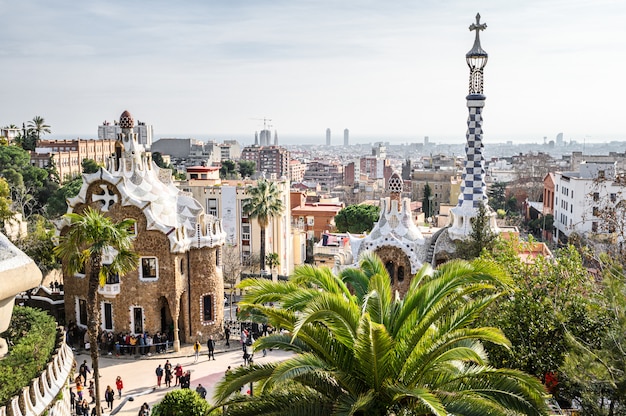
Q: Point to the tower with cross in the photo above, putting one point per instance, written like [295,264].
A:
[473,188]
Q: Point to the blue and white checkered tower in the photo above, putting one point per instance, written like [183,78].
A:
[473,187]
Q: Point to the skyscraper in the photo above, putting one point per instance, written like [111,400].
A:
[328,137]
[346,137]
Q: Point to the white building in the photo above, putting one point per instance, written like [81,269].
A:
[142,130]
[224,199]
[582,198]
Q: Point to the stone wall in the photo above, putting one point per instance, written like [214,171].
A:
[398,266]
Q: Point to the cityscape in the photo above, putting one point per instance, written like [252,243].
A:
[323,270]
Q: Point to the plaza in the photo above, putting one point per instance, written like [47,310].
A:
[140,383]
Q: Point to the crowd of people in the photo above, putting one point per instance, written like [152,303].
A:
[78,399]
[120,343]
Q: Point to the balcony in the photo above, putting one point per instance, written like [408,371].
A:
[109,290]
[326,250]
[112,287]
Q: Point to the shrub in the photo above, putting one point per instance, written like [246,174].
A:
[183,402]
[31,337]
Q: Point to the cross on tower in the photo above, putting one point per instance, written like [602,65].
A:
[478,26]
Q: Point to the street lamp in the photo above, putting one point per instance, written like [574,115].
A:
[476,59]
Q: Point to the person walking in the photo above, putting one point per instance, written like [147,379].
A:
[159,375]
[168,374]
[201,391]
[83,370]
[119,384]
[211,346]
[196,351]
[109,396]
[145,410]
[227,336]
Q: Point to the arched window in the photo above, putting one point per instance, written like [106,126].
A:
[400,273]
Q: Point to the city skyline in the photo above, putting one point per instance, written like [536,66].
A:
[395,72]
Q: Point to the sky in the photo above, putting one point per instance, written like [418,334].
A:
[390,70]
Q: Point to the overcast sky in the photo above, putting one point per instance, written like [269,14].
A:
[393,69]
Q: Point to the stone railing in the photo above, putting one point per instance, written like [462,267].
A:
[49,392]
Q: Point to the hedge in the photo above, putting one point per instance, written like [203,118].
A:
[31,337]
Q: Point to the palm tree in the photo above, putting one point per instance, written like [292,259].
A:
[264,203]
[360,350]
[38,126]
[89,235]
[272,260]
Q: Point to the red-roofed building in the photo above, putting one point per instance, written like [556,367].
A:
[314,218]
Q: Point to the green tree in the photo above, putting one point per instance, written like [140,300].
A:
[5,201]
[247,168]
[272,260]
[553,298]
[227,170]
[263,203]
[81,247]
[39,244]
[89,166]
[38,126]
[497,195]
[57,203]
[183,402]
[357,219]
[481,238]
[359,350]
[594,373]
[427,203]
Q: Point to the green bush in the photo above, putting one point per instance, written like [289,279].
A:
[183,402]
[31,337]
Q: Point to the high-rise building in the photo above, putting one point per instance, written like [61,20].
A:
[108,131]
[559,139]
[272,161]
[265,138]
[328,137]
[346,137]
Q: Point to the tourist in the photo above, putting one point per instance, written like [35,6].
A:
[201,391]
[178,372]
[196,351]
[83,370]
[168,373]
[109,396]
[159,374]
[119,384]
[145,410]
[227,336]
[211,346]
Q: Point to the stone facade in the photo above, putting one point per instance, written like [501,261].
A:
[178,287]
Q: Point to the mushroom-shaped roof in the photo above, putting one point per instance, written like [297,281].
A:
[126,120]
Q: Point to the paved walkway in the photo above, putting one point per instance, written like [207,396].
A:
[138,374]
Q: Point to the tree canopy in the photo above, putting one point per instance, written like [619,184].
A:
[359,350]
[357,218]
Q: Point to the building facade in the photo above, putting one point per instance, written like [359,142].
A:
[272,161]
[178,288]
[68,155]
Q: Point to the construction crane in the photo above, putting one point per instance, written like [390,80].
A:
[265,120]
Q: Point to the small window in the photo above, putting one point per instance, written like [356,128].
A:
[207,308]
[594,227]
[149,268]
[596,196]
[82,312]
[182,266]
[596,212]
[108,316]
[211,207]
[613,197]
